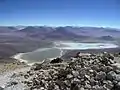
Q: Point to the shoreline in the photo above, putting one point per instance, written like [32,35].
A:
[19,55]
[62,52]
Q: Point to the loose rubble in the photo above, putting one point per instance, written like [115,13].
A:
[83,72]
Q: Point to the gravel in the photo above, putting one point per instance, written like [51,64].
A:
[84,72]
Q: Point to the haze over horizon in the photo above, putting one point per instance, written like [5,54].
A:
[100,13]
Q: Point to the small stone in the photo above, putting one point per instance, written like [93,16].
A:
[88,77]
[117,77]
[76,80]
[12,83]
[108,69]
[101,76]
[69,76]
[57,87]
[74,86]
[37,66]
[29,83]
[117,87]
[117,71]
[42,88]
[111,75]
[30,73]
[95,67]
[111,61]
[115,82]
[92,82]
[97,87]
[26,76]
[82,88]
[14,75]
[67,83]
[1,88]
[75,73]
[109,85]
[87,86]
[91,71]
[111,57]
[87,82]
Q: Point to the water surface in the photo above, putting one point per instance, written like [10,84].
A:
[41,54]
[46,53]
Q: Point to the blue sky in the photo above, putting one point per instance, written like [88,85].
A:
[60,12]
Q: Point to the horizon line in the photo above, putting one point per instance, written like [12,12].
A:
[59,26]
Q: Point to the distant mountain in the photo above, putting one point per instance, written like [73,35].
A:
[32,29]
[6,29]
[35,31]
[20,27]
[64,33]
[29,29]
[108,38]
[67,32]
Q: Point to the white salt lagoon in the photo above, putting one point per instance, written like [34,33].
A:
[47,53]
[83,46]
[38,55]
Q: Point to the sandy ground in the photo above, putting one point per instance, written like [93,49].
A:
[5,77]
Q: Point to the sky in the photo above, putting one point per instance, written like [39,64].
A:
[101,13]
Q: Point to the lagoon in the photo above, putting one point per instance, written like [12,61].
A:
[83,46]
[57,50]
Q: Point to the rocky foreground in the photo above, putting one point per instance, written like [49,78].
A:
[83,72]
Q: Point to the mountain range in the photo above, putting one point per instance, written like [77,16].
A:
[28,38]
[60,32]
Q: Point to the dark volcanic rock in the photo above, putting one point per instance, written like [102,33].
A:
[85,72]
[1,88]
[57,60]
[9,84]
[111,75]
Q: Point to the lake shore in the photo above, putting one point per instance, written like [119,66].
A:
[19,57]
[62,46]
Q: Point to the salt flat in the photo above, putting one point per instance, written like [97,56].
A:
[82,46]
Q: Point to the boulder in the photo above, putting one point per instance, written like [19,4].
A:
[111,75]
[1,88]
[117,86]
[108,69]
[82,88]
[109,85]
[92,82]
[117,77]
[57,60]
[75,73]
[101,76]
[74,86]
[115,82]
[87,86]
[69,76]
[9,84]
[37,66]
[97,87]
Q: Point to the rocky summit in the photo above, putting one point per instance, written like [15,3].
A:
[83,72]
